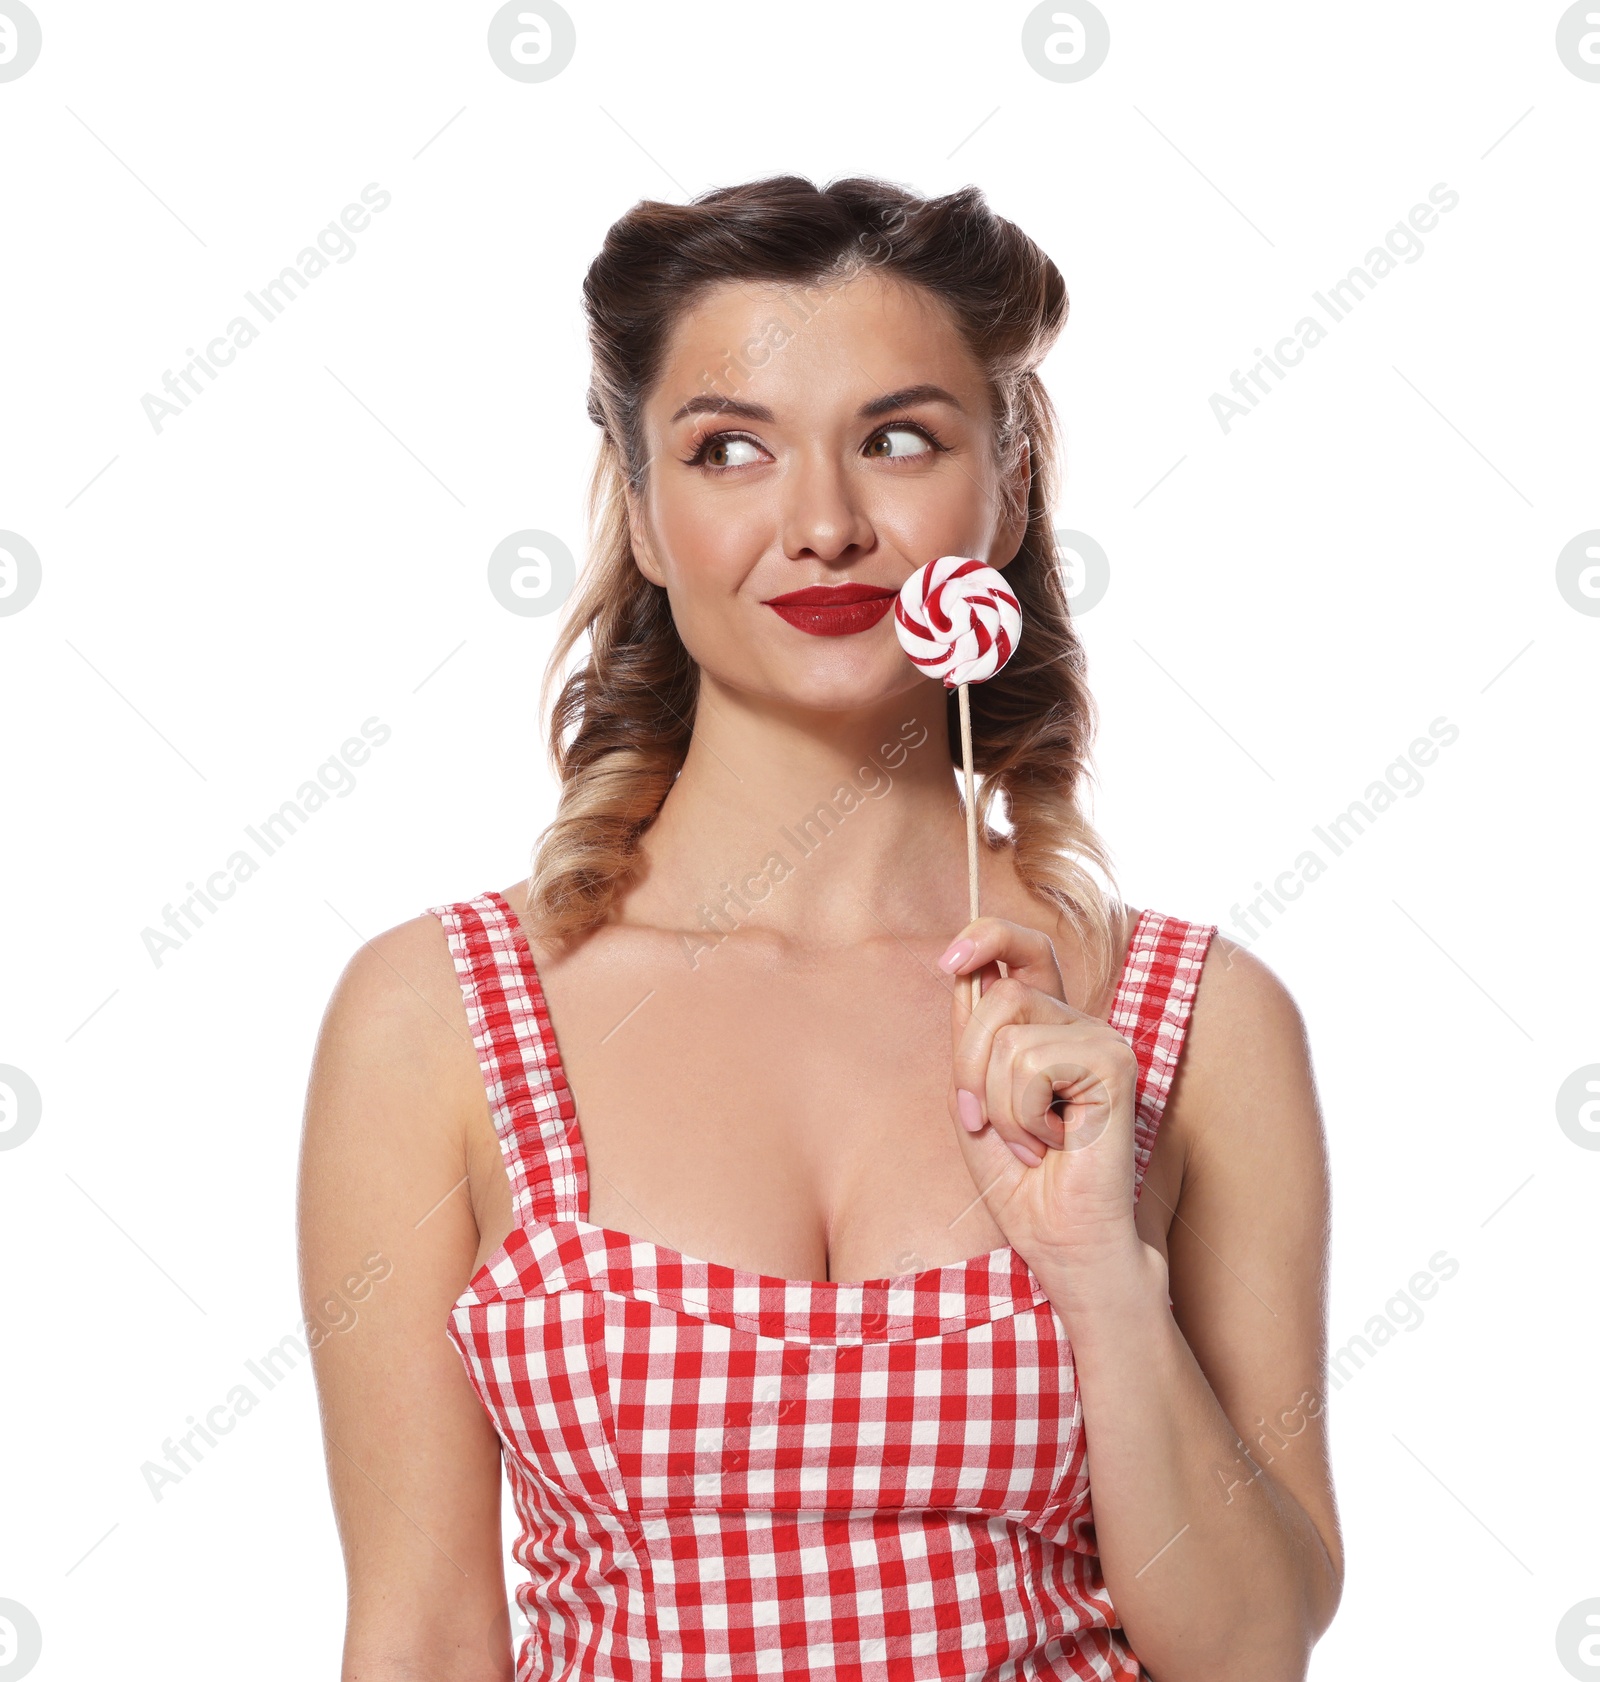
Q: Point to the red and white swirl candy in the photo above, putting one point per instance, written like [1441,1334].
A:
[957,620]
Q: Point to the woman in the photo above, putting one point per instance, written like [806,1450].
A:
[793,1374]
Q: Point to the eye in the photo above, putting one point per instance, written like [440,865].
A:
[920,434]
[714,451]
[717,452]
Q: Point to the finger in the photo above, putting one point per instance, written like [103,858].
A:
[963,996]
[1020,1088]
[969,1110]
[976,982]
[1033,1101]
[999,1109]
[1027,953]
[1055,1096]
[1081,1079]
[1004,999]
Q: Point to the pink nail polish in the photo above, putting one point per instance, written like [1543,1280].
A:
[971,1111]
[1027,1158]
[958,955]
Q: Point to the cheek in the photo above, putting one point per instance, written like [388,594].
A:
[707,532]
[708,545]
[946,517]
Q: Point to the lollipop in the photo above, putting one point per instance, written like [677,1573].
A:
[958,621]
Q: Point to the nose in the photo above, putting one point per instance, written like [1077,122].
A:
[822,514]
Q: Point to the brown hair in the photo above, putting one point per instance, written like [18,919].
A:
[620,728]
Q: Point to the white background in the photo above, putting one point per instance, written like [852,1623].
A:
[1291,603]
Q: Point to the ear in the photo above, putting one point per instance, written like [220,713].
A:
[642,542]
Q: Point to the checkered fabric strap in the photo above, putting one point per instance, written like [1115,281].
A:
[516,1046]
[1154,1000]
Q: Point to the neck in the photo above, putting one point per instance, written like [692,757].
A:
[823,829]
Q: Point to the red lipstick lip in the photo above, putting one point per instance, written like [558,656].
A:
[831,595]
[836,619]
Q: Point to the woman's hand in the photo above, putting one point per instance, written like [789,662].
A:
[1043,1097]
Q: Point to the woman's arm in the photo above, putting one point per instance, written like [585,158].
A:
[1214,1505]
[1223,1562]
[413,1462]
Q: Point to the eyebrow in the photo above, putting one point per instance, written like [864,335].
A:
[709,403]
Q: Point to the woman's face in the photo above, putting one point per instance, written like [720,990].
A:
[798,438]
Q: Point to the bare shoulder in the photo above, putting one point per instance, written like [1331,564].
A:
[1246,1062]
[397,1005]
[394,1075]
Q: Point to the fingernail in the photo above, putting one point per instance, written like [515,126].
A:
[1029,1159]
[971,1110]
[958,955]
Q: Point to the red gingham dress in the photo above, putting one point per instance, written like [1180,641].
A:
[721,1473]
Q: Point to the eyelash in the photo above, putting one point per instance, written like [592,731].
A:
[698,459]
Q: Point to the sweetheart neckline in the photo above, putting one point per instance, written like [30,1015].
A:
[745,1278]
[556,1066]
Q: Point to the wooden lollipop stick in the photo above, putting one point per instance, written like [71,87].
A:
[972,827]
[957,618]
